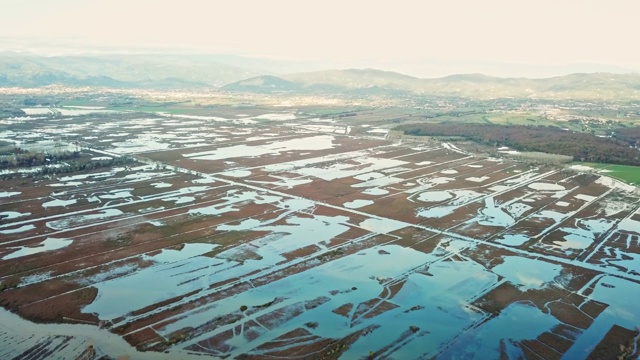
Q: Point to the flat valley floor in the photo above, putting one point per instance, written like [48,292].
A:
[236,237]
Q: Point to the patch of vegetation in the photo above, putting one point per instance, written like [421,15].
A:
[175,339]
[119,241]
[4,287]
[331,254]
[580,146]
[265,305]
[311,324]
[22,158]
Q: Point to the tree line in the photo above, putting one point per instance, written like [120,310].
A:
[23,158]
[630,135]
[71,167]
[554,140]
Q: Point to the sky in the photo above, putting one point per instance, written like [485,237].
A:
[540,32]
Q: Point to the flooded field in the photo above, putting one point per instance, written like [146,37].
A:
[280,235]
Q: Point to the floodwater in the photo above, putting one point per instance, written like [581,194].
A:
[622,296]
[9,215]
[48,244]
[289,256]
[124,294]
[375,191]
[546,186]
[485,342]
[79,220]
[527,273]
[358,203]
[23,335]
[363,165]
[65,111]
[239,173]
[18,229]
[4,194]
[512,239]
[492,215]
[435,196]
[321,142]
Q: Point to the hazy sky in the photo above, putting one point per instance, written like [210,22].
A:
[537,32]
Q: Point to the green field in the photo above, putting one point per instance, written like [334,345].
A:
[627,173]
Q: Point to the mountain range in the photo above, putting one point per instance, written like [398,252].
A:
[605,86]
[240,74]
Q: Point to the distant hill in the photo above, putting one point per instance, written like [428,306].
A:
[240,74]
[265,83]
[355,79]
[117,71]
[575,86]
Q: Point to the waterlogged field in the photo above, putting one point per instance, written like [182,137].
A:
[279,235]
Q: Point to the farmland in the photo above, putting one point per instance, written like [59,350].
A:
[626,173]
[266,232]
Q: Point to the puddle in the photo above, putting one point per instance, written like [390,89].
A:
[379,182]
[80,220]
[527,273]
[517,209]
[434,196]
[359,166]
[4,194]
[355,204]
[492,215]
[275,148]
[276,116]
[10,215]
[477,179]
[583,235]
[48,244]
[116,194]
[236,173]
[437,212]
[213,210]
[19,229]
[59,203]
[181,199]
[460,198]
[375,191]
[545,186]
[69,183]
[513,239]
[587,198]
[381,226]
